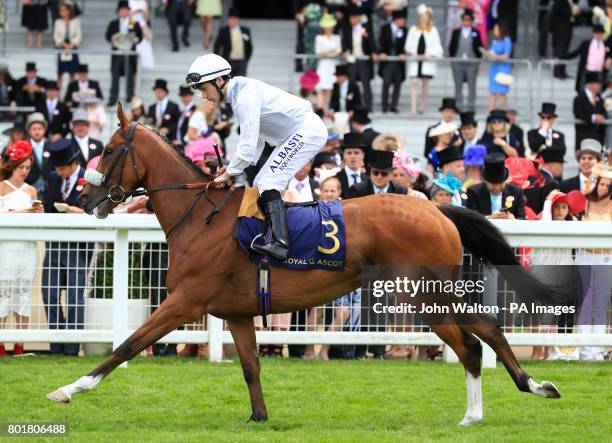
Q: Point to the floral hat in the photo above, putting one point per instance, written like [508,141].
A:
[19,151]
[448,183]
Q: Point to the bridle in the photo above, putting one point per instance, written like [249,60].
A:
[118,195]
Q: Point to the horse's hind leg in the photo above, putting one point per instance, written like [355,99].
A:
[468,349]
[169,315]
[491,334]
[243,331]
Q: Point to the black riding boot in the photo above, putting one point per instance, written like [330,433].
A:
[279,247]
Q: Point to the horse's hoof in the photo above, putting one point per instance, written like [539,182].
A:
[59,396]
[470,421]
[258,417]
[550,390]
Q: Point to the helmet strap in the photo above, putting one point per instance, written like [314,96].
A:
[220,88]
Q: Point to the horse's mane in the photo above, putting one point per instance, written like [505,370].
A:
[181,155]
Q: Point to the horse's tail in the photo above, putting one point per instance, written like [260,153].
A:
[480,237]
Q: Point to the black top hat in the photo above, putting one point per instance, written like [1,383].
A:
[185,90]
[83,68]
[497,114]
[123,4]
[62,152]
[160,84]
[592,77]
[341,70]
[51,84]
[467,118]
[354,140]
[598,28]
[233,12]
[448,103]
[552,155]
[399,13]
[548,109]
[450,154]
[354,10]
[495,170]
[360,115]
[467,12]
[323,157]
[381,159]
[30,66]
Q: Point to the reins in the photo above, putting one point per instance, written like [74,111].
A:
[117,194]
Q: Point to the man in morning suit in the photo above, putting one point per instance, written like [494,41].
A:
[353,154]
[587,156]
[345,96]
[31,87]
[56,113]
[545,136]
[234,44]
[36,126]
[360,122]
[589,109]
[66,263]
[392,40]
[87,147]
[164,113]
[82,83]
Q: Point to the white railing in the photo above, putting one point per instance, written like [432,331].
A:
[121,230]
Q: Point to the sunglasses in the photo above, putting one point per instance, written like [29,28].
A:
[381,173]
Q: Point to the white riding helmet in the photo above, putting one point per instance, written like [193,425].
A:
[206,68]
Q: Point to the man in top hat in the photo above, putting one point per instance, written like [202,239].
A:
[345,95]
[448,113]
[31,87]
[359,49]
[587,156]
[361,123]
[552,163]
[465,43]
[36,127]
[234,44]
[379,181]
[545,137]
[123,33]
[594,56]
[589,110]
[353,156]
[392,41]
[82,83]
[56,113]
[178,13]
[494,197]
[87,147]
[451,162]
[469,128]
[164,112]
[65,265]
[186,108]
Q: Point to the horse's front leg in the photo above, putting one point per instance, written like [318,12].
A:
[243,331]
[170,314]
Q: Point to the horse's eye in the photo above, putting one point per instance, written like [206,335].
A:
[108,151]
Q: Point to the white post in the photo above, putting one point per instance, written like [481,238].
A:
[121,267]
[215,339]
[489,358]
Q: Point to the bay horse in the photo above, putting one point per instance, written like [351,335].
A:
[210,274]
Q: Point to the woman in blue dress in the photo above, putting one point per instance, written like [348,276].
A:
[499,73]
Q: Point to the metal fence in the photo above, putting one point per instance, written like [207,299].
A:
[113,274]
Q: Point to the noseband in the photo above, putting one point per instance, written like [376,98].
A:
[117,194]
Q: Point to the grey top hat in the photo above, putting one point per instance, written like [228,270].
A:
[589,146]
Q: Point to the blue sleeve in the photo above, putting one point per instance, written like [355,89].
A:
[507,46]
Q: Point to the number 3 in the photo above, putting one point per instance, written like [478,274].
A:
[331,234]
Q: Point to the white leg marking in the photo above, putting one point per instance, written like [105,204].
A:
[83,384]
[473,415]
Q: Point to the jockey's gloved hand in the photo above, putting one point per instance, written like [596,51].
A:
[224,177]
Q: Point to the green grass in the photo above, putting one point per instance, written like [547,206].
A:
[164,400]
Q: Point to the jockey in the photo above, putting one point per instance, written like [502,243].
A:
[265,114]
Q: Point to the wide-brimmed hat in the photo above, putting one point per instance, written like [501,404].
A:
[381,159]
[361,115]
[497,114]
[80,116]
[551,155]
[309,79]
[449,155]
[575,200]
[601,170]
[442,128]
[448,103]
[474,155]
[354,140]
[62,153]
[468,118]
[495,170]
[448,183]
[136,103]
[36,117]
[548,109]
[160,84]
[589,146]
[328,21]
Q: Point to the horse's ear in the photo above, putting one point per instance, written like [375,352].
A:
[124,122]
